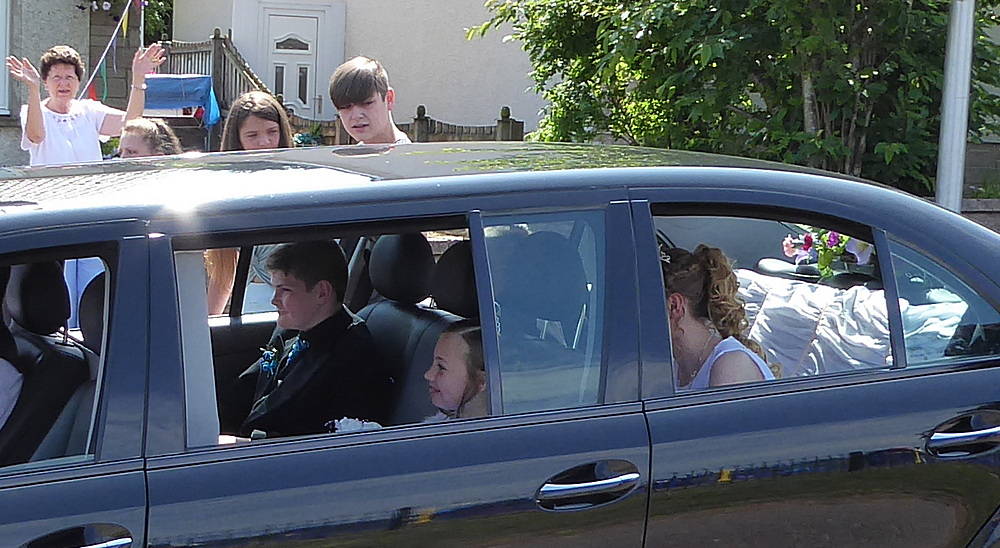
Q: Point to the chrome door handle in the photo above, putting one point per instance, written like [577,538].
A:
[558,491]
[117,543]
[944,440]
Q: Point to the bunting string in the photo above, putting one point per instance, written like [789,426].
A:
[104,55]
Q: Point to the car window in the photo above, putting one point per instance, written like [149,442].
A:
[943,319]
[51,355]
[805,299]
[416,293]
[258,292]
[547,272]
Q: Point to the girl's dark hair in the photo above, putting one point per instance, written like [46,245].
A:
[706,278]
[259,104]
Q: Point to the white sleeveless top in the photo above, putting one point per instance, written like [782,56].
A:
[729,344]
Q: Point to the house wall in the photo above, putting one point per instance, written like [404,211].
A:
[423,47]
[194,20]
[422,44]
[35,26]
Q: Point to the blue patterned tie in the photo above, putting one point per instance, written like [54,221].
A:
[298,347]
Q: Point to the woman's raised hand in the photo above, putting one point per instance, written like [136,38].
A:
[23,71]
[145,60]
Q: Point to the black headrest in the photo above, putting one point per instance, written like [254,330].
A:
[545,279]
[400,267]
[37,297]
[92,313]
[453,283]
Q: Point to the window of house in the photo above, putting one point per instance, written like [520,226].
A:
[802,299]
[50,370]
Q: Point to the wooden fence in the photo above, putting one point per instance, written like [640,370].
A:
[422,129]
[218,57]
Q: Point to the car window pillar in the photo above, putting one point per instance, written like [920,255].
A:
[487,310]
[897,341]
[654,342]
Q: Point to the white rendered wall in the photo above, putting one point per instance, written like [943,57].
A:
[194,20]
[423,47]
[422,44]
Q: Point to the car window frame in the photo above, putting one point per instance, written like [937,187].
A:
[645,210]
[118,418]
[233,230]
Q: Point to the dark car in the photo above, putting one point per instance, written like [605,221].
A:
[881,429]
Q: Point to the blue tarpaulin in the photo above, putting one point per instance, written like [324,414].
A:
[183,90]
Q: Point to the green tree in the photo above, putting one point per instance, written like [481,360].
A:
[158,20]
[853,87]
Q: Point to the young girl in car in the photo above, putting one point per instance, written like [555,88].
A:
[456,379]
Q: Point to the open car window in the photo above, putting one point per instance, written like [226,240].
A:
[812,295]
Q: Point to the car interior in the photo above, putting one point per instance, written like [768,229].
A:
[410,282]
[53,336]
[811,324]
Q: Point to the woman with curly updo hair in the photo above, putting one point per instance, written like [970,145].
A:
[707,321]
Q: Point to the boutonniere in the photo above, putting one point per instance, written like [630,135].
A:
[298,347]
[268,359]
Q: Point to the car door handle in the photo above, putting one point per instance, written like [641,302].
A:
[945,440]
[560,491]
[116,543]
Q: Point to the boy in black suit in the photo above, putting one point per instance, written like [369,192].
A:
[330,369]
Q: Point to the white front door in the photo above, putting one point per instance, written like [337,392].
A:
[292,66]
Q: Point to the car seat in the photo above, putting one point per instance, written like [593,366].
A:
[71,430]
[38,303]
[405,332]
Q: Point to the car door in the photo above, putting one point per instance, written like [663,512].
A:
[870,444]
[84,483]
[562,458]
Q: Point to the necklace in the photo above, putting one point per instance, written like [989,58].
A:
[700,358]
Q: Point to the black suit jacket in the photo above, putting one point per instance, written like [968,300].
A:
[339,375]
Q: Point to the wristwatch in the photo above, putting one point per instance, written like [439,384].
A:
[141,86]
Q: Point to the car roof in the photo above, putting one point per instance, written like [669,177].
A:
[246,182]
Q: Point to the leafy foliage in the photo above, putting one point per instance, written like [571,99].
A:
[853,87]
[158,22]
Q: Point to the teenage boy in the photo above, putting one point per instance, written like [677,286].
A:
[360,90]
[330,370]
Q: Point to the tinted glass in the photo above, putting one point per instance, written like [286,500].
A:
[547,273]
[943,319]
[48,372]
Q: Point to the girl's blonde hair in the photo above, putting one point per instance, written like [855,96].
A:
[156,133]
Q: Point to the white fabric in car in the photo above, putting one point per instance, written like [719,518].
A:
[810,328]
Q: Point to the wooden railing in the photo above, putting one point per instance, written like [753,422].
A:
[423,129]
[217,56]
